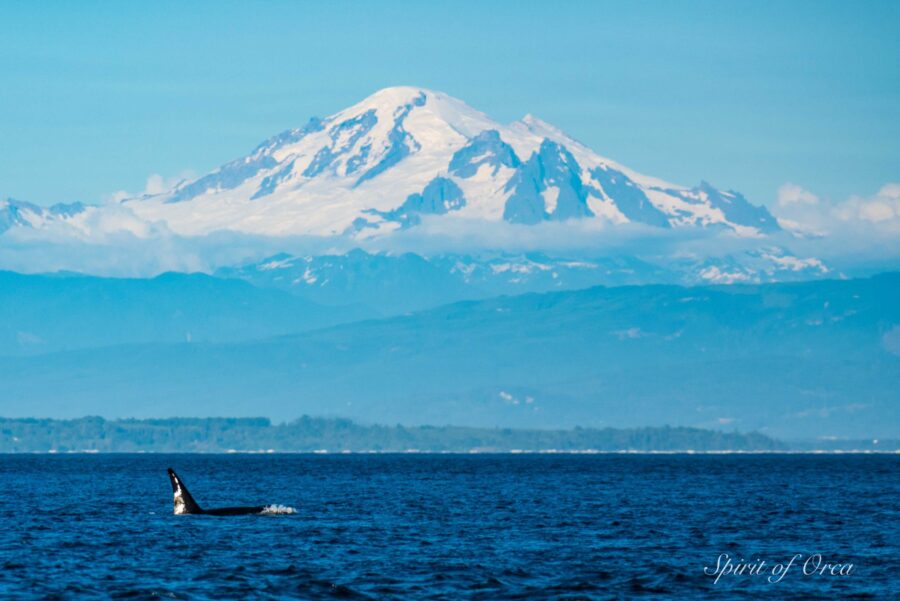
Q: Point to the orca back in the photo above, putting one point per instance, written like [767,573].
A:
[236,510]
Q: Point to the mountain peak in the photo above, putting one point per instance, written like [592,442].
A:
[442,115]
[534,123]
[396,95]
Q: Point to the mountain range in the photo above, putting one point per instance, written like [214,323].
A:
[394,283]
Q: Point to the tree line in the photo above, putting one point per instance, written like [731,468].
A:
[310,434]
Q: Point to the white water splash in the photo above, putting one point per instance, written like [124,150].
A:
[277,510]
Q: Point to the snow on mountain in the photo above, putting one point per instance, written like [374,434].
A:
[763,265]
[18,213]
[406,153]
[398,283]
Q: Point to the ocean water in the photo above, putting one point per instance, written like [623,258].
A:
[451,527]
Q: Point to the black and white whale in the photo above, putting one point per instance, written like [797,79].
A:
[185,503]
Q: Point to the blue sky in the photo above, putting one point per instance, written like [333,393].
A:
[97,96]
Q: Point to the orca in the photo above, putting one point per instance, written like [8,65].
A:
[185,503]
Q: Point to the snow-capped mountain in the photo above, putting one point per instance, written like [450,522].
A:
[404,154]
[17,213]
[398,283]
[762,265]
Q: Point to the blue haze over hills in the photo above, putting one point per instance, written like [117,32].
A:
[806,359]
[48,313]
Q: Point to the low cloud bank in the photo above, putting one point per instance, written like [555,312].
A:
[857,235]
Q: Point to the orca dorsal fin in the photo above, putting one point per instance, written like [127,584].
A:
[184,502]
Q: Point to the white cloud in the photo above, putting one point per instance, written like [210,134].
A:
[883,207]
[114,242]
[155,184]
[450,233]
[802,211]
[792,193]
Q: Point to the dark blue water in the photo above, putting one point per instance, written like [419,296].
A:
[448,526]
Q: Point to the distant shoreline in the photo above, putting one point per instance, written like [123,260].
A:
[461,453]
[335,436]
